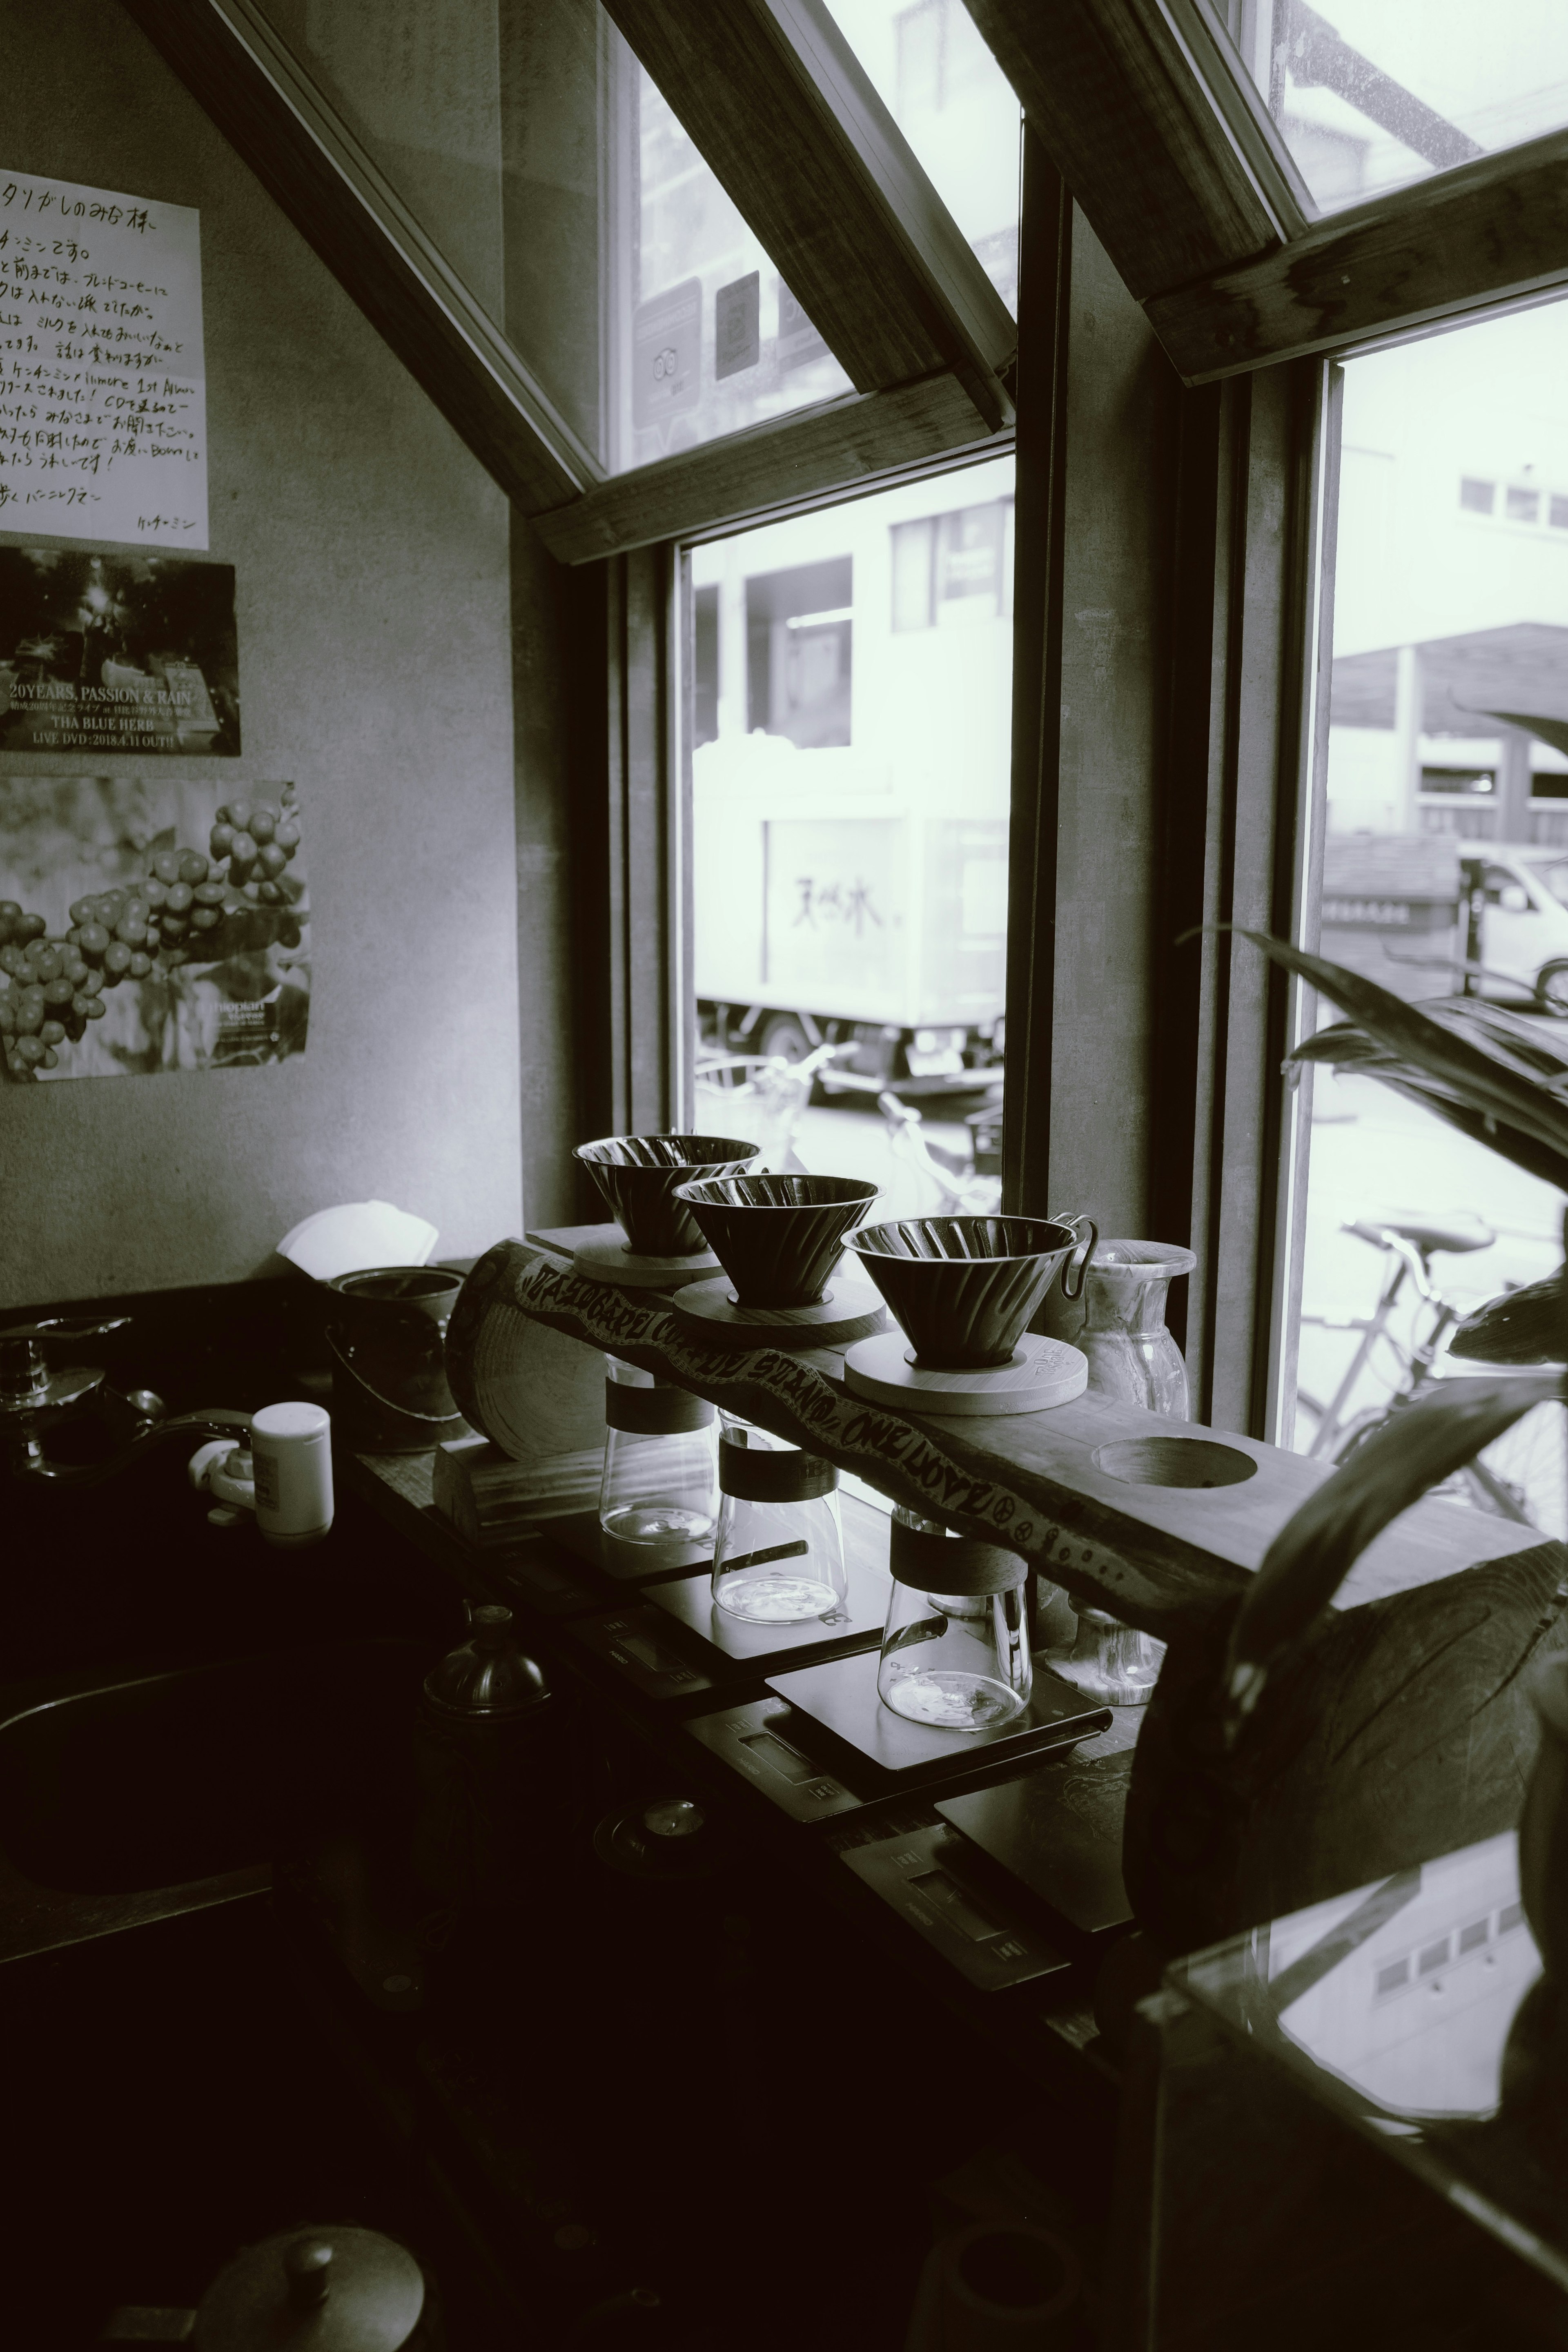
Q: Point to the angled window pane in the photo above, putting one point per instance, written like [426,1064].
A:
[1370,96]
[705,337]
[544,166]
[957,108]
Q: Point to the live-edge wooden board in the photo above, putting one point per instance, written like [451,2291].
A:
[1148,1554]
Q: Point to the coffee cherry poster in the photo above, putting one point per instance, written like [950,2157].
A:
[150,926]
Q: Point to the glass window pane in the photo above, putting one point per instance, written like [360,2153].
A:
[1445,857]
[957,108]
[546,166]
[850,797]
[706,337]
[1372,94]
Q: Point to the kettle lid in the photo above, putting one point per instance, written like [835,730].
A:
[491,1675]
[339,2290]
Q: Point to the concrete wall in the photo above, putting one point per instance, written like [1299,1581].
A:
[376,658]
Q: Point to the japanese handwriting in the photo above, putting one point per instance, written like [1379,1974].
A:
[100,360]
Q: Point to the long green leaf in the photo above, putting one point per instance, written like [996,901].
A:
[1479,1074]
[1309,1559]
[1527,1326]
[1353,1052]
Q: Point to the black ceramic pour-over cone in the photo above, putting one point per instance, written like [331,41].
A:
[964,1288]
[778,1238]
[639,1175]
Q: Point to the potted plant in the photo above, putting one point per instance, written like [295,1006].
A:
[1291,1752]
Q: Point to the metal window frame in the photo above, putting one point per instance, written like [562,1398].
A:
[1154,124]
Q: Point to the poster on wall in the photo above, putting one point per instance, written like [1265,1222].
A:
[117,653]
[150,926]
[102,380]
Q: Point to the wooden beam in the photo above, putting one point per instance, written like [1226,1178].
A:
[775,101]
[843,446]
[1489,231]
[1151,1555]
[1116,96]
[272,115]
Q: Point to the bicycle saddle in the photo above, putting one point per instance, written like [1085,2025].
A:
[1428,1234]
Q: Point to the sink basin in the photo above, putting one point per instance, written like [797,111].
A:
[130,1800]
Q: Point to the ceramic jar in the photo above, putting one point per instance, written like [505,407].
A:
[1118,1321]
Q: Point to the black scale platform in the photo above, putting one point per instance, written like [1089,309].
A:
[671,1642]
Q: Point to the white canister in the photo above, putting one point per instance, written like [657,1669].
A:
[291,1448]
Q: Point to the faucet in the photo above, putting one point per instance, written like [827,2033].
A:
[33,1400]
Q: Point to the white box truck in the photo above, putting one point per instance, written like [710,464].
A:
[850,786]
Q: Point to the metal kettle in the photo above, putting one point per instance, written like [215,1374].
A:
[342,2289]
[492,1769]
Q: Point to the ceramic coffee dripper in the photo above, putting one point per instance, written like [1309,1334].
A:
[778,1238]
[639,1176]
[964,1288]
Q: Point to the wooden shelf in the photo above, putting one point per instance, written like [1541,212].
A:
[1148,1554]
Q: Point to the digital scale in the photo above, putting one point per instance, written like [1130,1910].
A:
[761,1740]
[638,1642]
[847,1720]
[923,1875]
[755,1650]
[673,1642]
[551,1585]
[1057,1831]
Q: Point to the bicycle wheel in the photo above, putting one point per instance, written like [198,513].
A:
[1530,1460]
[1347,1436]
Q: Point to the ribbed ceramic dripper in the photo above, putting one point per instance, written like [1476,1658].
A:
[778,1238]
[964,1288]
[640,1174]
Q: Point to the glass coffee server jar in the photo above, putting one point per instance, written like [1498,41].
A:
[779,1556]
[955,1652]
[659,1486]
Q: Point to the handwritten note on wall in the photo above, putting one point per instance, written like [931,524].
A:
[103,384]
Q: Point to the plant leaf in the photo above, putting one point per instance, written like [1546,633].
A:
[1368,1060]
[1479,1072]
[1309,1559]
[1527,1326]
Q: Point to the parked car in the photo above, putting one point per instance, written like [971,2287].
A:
[1524,920]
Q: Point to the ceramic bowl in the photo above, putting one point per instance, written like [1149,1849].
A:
[778,1238]
[964,1288]
[639,1175]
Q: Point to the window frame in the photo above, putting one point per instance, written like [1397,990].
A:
[1138,131]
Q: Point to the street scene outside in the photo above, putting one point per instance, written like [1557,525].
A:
[1447,848]
[851,675]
